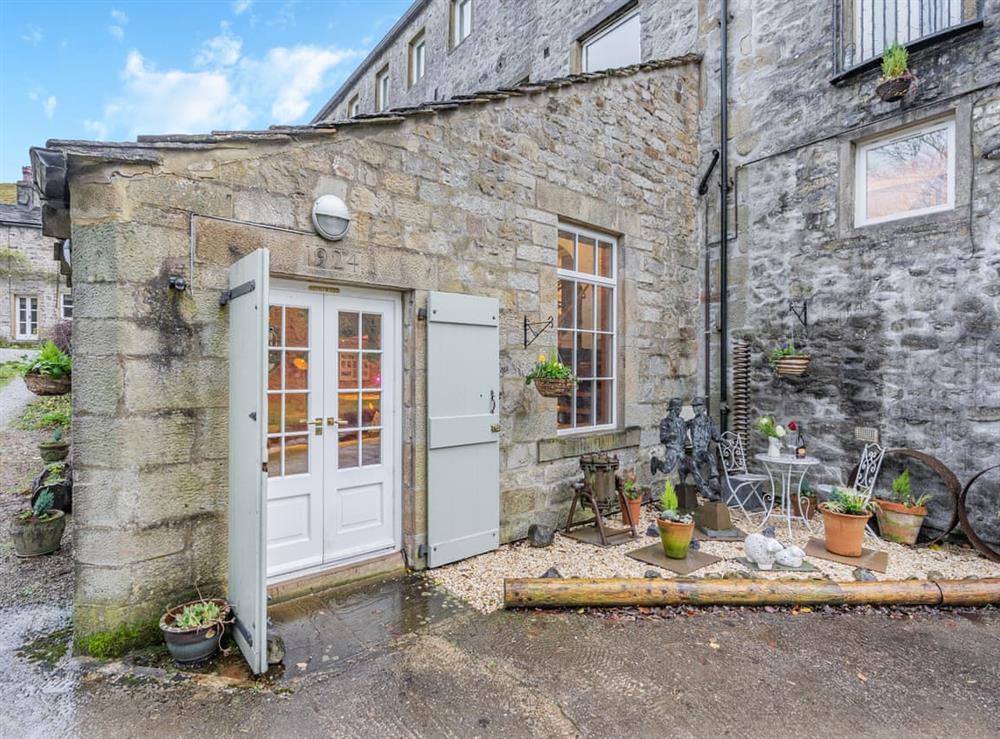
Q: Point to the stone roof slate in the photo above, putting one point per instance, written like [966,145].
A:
[18,215]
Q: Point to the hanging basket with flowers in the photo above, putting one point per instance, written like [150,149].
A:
[789,361]
[552,378]
[897,79]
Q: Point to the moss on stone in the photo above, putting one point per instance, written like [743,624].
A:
[49,648]
[118,641]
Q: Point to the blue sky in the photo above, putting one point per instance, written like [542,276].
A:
[112,70]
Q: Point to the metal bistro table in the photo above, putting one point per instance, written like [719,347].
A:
[784,469]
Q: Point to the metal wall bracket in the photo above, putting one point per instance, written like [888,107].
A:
[802,313]
[246,287]
[534,330]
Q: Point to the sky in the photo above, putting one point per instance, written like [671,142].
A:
[113,70]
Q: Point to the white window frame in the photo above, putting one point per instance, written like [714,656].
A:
[353,106]
[22,327]
[62,306]
[597,280]
[382,90]
[593,38]
[861,171]
[461,21]
[418,58]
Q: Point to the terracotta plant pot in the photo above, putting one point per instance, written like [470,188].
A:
[33,538]
[894,89]
[188,646]
[634,509]
[844,533]
[791,366]
[899,523]
[675,537]
[44,385]
[550,387]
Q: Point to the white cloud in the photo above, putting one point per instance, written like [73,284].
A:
[117,29]
[219,51]
[49,106]
[32,35]
[290,77]
[241,6]
[119,17]
[97,128]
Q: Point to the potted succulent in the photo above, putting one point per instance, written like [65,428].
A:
[845,516]
[774,433]
[552,378]
[900,519]
[633,498]
[676,529]
[788,361]
[39,529]
[896,76]
[55,448]
[193,630]
[50,373]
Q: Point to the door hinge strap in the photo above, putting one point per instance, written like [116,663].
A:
[246,287]
[247,634]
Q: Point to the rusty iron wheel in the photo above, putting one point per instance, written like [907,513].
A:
[985,549]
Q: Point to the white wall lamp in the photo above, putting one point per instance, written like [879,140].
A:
[331,217]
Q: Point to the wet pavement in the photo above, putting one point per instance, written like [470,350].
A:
[404,659]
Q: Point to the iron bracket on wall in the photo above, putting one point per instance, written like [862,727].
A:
[802,313]
[246,287]
[532,328]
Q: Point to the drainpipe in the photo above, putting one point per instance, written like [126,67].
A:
[724,216]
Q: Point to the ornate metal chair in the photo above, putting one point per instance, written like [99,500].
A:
[736,476]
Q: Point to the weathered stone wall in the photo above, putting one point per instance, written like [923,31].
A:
[511,40]
[38,276]
[463,201]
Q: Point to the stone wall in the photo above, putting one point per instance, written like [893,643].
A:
[510,40]
[463,201]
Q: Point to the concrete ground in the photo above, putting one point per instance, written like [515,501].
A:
[406,667]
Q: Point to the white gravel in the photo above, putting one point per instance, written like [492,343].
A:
[479,580]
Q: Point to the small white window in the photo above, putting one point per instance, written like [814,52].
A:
[66,305]
[616,45]
[461,21]
[417,56]
[26,307]
[908,173]
[587,328]
[353,106]
[382,90]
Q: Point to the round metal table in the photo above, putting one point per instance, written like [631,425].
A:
[783,470]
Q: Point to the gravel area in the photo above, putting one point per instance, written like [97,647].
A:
[14,396]
[39,580]
[479,580]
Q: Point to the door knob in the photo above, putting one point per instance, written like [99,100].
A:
[331,421]
[318,424]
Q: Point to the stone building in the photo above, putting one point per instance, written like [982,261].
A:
[33,294]
[572,200]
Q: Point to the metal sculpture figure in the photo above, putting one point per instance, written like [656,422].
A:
[687,446]
[673,436]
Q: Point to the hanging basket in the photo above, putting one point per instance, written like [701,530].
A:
[45,385]
[895,89]
[791,366]
[551,387]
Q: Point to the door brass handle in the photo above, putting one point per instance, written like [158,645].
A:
[331,421]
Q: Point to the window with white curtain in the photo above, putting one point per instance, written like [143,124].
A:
[418,49]
[461,21]
[616,45]
[382,90]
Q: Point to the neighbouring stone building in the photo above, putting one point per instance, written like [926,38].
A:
[33,294]
[492,173]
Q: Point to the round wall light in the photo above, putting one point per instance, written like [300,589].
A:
[331,217]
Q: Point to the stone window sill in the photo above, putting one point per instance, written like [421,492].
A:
[561,447]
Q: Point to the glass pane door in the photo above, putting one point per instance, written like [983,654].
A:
[359,389]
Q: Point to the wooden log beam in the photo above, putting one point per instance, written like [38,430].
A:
[598,592]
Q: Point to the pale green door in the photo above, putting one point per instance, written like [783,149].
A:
[463,398]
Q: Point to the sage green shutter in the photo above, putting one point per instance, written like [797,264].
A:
[463,400]
[248,314]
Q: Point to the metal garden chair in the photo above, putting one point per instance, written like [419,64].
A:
[736,475]
[865,475]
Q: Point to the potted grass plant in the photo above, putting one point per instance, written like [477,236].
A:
[676,529]
[896,75]
[900,518]
[39,529]
[845,516]
[49,373]
[789,361]
[633,499]
[193,630]
[552,378]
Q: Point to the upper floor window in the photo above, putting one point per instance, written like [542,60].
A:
[615,45]
[587,330]
[66,305]
[353,106]
[418,49]
[908,173]
[867,27]
[461,21]
[382,90]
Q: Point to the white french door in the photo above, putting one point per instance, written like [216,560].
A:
[27,317]
[333,434]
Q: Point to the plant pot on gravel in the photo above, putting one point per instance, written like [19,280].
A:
[55,448]
[39,529]
[633,499]
[900,519]
[193,630]
[676,529]
[845,516]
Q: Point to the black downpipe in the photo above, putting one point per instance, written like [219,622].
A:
[707,290]
[724,218]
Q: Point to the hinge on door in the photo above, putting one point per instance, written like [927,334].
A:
[246,287]
[263,466]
